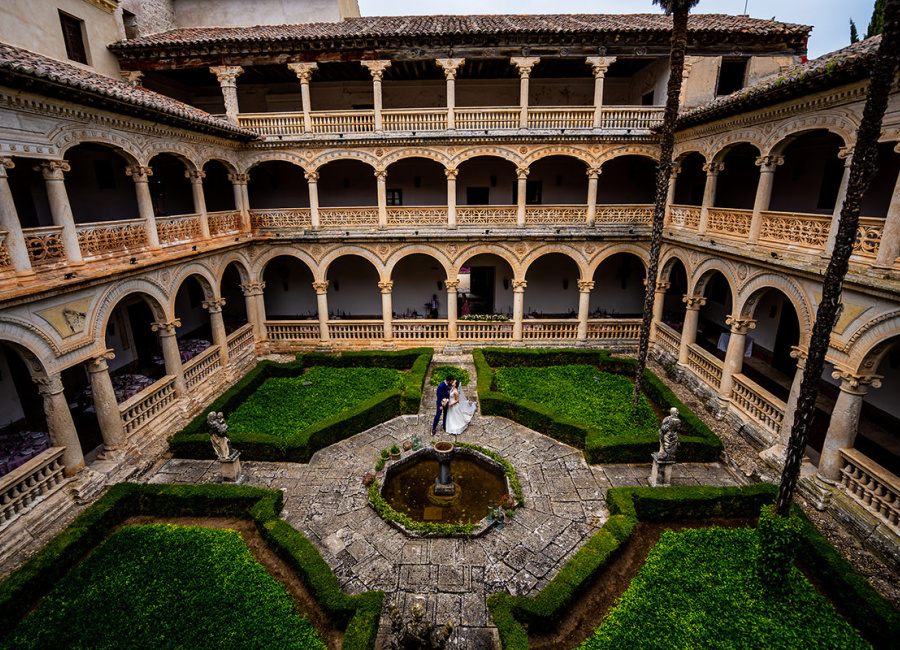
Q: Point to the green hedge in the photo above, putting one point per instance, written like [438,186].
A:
[860,603]
[698,443]
[193,440]
[358,615]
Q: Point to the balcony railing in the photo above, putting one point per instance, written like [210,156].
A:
[224,223]
[45,245]
[111,237]
[546,329]
[356,330]
[178,229]
[795,230]
[240,342]
[282,218]
[486,215]
[668,339]
[684,216]
[730,223]
[553,214]
[289,330]
[150,402]
[705,365]
[348,217]
[26,484]
[604,329]
[874,487]
[5,260]
[483,331]
[758,404]
[420,330]
[202,367]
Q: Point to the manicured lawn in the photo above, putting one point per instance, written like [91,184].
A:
[699,589]
[284,407]
[167,586]
[583,394]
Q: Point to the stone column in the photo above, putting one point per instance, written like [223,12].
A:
[256,307]
[312,180]
[712,170]
[450,67]
[381,179]
[227,76]
[889,248]
[689,330]
[9,221]
[241,198]
[105,405]
[452,287]
[196,177]
[784,434]
[60,209]
[217,325]
[322,302]
[451,196]
[584,307]
[734,355]
[518,307]
[844,421]
[376,69]
[524,65]
[845,154]
[658,300]
[670,196]
[304,72]
[592,173]
[599,64]
[141,177]
[59,422]
[387,311]
[767,166]
[522,190]
[171,353]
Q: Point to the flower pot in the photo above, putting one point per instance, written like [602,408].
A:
[395,456]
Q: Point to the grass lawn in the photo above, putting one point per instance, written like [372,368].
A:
[167,586]
[699,589]
[284,407]
[575,393]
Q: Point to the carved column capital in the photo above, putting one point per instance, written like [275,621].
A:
[253,288]
[132,76]
[139,173]
[593,172]
[239,179]
[600,64]
[53,170]
[856,384]
[195,175]
[452,285]
[524,64]
[713,168]
[376,68]
[451,173]
[450,66]
[519,286]
[320,287]
[800,354]
[846,154]
[303,70]
[6,163]
[386,286]
[312,177]
[897,148]
[227,74]
[49,384]
[522,173]
[166,328]
[662,286]
[740,324]
[585,286]
[769,163]
[381,175]
[214,306]
[98,363]
[676,169]
[694,302]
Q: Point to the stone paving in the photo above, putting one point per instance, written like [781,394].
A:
[564,505]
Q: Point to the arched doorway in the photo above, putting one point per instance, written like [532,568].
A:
[289,293]
[618,287]
[552,287]
[353,291]
[234,311]
[195,333]
[485,285]
[24,433]
[418,279]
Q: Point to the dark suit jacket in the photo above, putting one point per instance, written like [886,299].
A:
[443,392]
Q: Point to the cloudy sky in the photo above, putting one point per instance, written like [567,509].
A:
[830,18]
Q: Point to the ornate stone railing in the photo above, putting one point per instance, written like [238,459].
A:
[28,483]
[483,331]
[45,245]
[805,231]
[872,486]
[417,216]
[627,214]
[731,223]
[705,365]
[414,119]
[348,217]
[150,402]
[486,215]
[554,214]
[419,329]
[684,216]
[240,341]
[561,117]
[635,118]
[202,367]
[487,118]
[178,228]
[281,218]
[5,261]
[758,404]
[362,121]
[273,125]
[224,222]
[292,330]
[540,328]
[868,237]
[344,330]
[668,339]
[614,328]
[111,237]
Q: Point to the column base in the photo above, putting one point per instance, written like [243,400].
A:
[817,490]
[388,344]
[581,343]
[324,346]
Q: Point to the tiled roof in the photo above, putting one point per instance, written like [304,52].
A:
[832,69]
[411,26]
[20,67]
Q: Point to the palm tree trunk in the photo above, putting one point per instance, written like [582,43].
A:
[862,169]
[663,174]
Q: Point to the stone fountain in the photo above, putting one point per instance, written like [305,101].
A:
[443,484]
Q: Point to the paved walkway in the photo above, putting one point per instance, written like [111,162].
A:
[564,505]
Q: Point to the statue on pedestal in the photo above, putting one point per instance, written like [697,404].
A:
[668,436]
[417,634]
[218,435]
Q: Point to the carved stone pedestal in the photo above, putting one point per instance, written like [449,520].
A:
[231,468]
[661,474]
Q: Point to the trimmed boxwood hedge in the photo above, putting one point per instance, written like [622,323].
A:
[357,615]
[864,607]
[193,440]
[698,443]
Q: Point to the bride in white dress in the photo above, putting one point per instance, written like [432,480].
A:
[460,410]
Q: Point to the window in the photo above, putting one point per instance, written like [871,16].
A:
[731,76]
[394,197]
[73,36]
[478,195]
[129,20]
[647,99]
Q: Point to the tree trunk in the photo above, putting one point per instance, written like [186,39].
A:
[663,174]
[862,169]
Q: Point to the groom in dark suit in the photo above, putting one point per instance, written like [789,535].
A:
[443,392]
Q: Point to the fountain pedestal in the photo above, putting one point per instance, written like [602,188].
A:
[443,484]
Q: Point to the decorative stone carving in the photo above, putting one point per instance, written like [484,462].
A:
[694,302]
[585,286]
[451,173]
[452,285]
[668,436]
[769,163]
[239,179]
[320,287]
[856,383]
[312,177]
[166,328]
[740,324]
[522,173]
[524,64]
[303,70]
[593,172]
[662,286]
[519,286]
[376,68]
[713,167]
[139,173]
[600,64]
[49,384]
[53,170]
[195,175]
[253,288]
[386,287]
[417,633]
[450,66]
[214,306]
[218,435]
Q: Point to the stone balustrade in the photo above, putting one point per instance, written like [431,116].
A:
[684,216]
[240,342]
[795,230]
[45,245]
[730,223]
[5,260]
[289,330]
[147,404]
[540,329]
[348,217]
[420,329]
[667,339]
[355,330]
[705,365]
[607,329]
[202,367]
[111,237]
[281,218]
[484,331]
[34,480]
[225,222]
[758,404]
[874,487]
[178,229]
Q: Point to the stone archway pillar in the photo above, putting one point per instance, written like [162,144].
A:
[376,69]
[60,209]
[790,407]
[141,177]
[256,307]
[196,177]
[522,190]
[734,355]
[241,198]
[322,302]
[889,248]
[217,325]
[304,73]
[592,173]
[381,179]
[844,421]
[767,166]
[712,170]
[670,195]
[846,154]
[524,64]
[59,422]
[689,330]
[171,353]
[105,405]
[452,288]
[584,306]
[387,310]
[9,221]
[658,299]
[450,67]
[518,307]
[227,77]
[599,65]
[451,196]
[312,179]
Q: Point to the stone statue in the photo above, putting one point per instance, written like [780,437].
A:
[218,435]
[668,436]
[417,634]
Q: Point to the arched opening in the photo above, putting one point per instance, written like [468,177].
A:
[485,285]
[560,180]
[138,353]
[23,426]
[627,180]
[552,287]
[289,294]
[878,434]
[736,184]
[195,332]
[29,193]
[218,192]
[277,184]
[673,302]
[691,180]
[877,199]
[170,189]
[353,288]
[418,279]
[618,287]
[234,312]
[346,184]
[712,332]
[810,178]
[97,186]
[416,181]
[487,180]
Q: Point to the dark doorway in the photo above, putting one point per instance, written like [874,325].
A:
[481,299]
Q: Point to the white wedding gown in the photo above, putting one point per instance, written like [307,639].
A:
[460,414]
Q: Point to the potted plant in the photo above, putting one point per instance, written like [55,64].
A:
[407,445]
[379,466]
[508,515]
[507,502]
[385,454]
[395,452]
